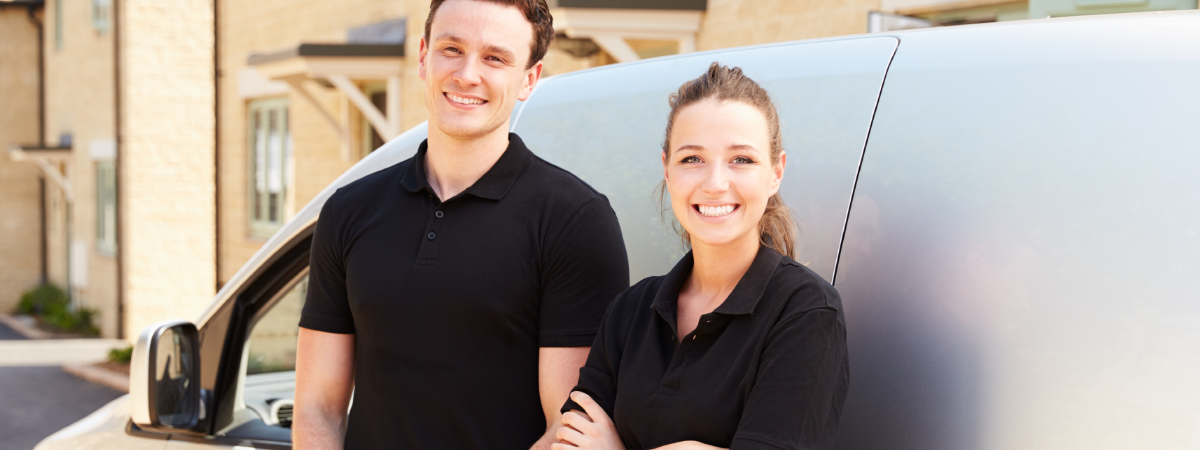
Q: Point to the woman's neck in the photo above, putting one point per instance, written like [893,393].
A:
[717,269]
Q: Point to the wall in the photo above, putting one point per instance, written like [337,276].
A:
[263,27]
[80,101]
[166,160]
[20,253]
[732,23]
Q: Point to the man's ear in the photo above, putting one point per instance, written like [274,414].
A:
[421,53]
[532,75]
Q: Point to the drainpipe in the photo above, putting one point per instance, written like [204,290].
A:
[117,121]
[217,142]
[33,19]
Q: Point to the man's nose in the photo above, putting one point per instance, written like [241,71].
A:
[467,73]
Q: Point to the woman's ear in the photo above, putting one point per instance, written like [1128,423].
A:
[664,162]
[778,170]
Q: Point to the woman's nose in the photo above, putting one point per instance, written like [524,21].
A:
[717,181]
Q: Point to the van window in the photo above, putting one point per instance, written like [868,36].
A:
[606,126]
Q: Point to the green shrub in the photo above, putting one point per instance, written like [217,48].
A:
[121,355]
[50,303]
[41,299]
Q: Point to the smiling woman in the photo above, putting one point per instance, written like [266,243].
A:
[739,346]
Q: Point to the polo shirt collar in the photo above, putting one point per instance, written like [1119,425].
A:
[742,300]
[492,185]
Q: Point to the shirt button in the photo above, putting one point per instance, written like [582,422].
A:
[438,214]
[432,235]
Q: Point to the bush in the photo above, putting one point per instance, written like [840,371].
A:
[41,299]
[121,355]
[50,303]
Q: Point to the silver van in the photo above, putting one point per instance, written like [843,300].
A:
[1010,211]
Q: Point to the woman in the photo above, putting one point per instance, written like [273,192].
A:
[738,346]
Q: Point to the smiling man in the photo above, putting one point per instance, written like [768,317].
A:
[456,293]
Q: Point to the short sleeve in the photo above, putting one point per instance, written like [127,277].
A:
[327,307]
[800,387]
[585,268]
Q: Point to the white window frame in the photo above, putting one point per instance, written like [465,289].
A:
[101,15]
[106,207]
[269,158]
[366,130]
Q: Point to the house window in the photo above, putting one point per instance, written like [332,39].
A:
[101,12]
[370,138]
[270,145]
[106,207]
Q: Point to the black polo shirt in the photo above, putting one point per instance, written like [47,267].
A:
[450,301]
[766,370]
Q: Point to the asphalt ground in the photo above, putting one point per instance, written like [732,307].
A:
[37,401]
[7,333]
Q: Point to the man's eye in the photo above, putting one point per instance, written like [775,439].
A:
[690,159]
[742,160]
[453,50]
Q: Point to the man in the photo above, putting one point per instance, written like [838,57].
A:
[457,292]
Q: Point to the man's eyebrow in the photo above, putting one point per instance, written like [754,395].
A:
[502,51]
[448,37]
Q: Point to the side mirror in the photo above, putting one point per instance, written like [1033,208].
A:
[164,377]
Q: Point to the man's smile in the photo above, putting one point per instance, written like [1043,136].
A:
[464,100]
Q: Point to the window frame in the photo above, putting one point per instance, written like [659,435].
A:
[367,131]
[106,201]
[258,206]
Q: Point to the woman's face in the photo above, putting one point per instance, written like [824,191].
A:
[719,171]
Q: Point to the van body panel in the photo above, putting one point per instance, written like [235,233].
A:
[1021,267]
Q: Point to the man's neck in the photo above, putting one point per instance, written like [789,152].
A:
[452,165]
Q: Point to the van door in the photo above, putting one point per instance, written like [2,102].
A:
[1020,269]
[606,126]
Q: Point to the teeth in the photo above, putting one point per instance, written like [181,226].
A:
[465,101]
[715,211]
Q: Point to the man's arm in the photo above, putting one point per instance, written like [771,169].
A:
[558,372]
[324,381]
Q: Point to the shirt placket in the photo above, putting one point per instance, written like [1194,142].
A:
[427,254]
[690,349]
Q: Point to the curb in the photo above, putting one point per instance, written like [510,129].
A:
[116,381]
[24,329]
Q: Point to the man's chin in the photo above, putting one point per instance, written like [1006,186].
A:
[467,131]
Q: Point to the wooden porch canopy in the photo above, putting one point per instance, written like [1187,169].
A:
[339,65]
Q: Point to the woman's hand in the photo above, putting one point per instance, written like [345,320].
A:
[591,431]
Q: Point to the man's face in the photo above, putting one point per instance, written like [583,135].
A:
[473,65]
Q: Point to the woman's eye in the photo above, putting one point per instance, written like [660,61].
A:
[690,159]
[742,160]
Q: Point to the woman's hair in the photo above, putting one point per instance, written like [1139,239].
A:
[777,228]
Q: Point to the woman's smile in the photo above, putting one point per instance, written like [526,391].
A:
[716,210]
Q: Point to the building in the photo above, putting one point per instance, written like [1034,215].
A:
[152,146]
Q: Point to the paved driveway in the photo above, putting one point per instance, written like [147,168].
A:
[36,401]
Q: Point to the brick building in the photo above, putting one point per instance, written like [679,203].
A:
[154,145]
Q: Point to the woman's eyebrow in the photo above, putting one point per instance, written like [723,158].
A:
[743,147]
[693,147]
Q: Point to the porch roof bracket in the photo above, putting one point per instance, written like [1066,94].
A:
[45,164]
[297,86]
[610,27]
[387,129]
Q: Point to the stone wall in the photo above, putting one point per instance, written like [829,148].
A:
[167,160]
[20,253]
[80,102]
[733,23]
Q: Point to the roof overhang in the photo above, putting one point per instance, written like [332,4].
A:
[31,153]
[357,61]
[694,5]
[610,27]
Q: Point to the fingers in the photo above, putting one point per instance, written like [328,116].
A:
[593,409]
[571,436]
[576,420]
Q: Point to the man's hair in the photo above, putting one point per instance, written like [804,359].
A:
[537,12]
